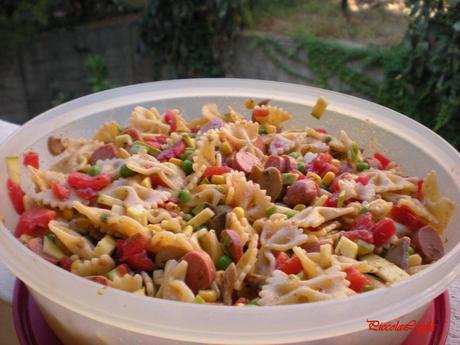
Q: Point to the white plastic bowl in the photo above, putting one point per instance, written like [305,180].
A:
[83,312]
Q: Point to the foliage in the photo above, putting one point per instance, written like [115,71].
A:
[189,36]
[98,73]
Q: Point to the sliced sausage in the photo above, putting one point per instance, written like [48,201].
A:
[232,243]
[428,244]
[100,279]
[259,143]
[217,223]
[107,151]
[269,179]
[301,192]
[133,133]
[244,161]
[213,124]
[55,145]
[201,271]
[289,163]
[277,162]
[398,252]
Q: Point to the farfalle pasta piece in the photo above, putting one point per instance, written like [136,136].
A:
[173,286]
[132,193]
[247,195]
[312,216]
[333,142]
[387,181]
[112,223]
[282,235]
[93,267]
[111,166]
[240,134]
[280,145]
[148,120]
[379,208]
[240,226]
[206,193]
[276,115]
[72,240]
[192,180]
[206,150]
[172,175]
[167,245]
[78,158]
[265,263]
[128,282]
[210,244]
[108,132]
[247,262]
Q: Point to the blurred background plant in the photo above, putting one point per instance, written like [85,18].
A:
[404,54]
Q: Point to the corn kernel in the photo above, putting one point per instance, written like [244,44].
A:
[270,129]
[218,179]
[249,104]
[208,295]
[239,212]
[68,214]
[146,182]
[314,177]
[122,153]
[328,178]
[319,107]
[176,161]
[414,260]
[123,140]
[154,227]
[299,207]
[226,148]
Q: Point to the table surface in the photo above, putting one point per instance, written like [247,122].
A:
[8,336]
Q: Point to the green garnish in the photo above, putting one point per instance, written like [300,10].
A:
[205,181]
[253,302]
[301,167]
[410,251]
[294,155]
[197,209]
[262,130]
[104,217]
[271,210]
[328,140]
[223,262]
[289,178]
[187,166]
[126,172]
[290,214]
[354,151]
[341,199]
[94,170]
[184,195]
[367,288]
[363,210]
[361,166]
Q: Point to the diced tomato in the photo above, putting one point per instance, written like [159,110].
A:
[356,279]
[86,193]
[171,120]
[289,265]
[383,231]
[60,191]
[405,216]
[382,159]
[211,171]
[133,252]
[65,263]
[31,158]
[156,141]
[322,164]
[321,130]
[16,195]
[259,112]
[122,269]
[133,133]
[418,194]
[332,200]
[157,181]
[175,151]
[362,179]
[34,222]
[79,180]
[359,234]
[363,221]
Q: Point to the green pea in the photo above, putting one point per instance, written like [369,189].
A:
[184,196]
[126,172]
[410,251]
[361,166]
[187,166]
[94,170]
[223,262]
[262,130]
[301,167]
[187,154]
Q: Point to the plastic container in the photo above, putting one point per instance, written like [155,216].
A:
[83,312]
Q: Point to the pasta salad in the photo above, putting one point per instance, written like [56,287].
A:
[226,210]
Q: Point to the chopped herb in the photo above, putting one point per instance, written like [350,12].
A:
[262,130]
[354,151]
[361,166]
[363,210]
[104,217]
[197,209]
[328,139]
[205,181]
[271,210]
[341,199]
[126,172]
[253,302]
[366,288]
[223,262]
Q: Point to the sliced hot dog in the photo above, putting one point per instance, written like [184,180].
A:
[133,133]
[244,161]
[107,151]
[213,124]
[428,244]
[277,162]
[232,242]
[201,271]
[301,192]
[289,163]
